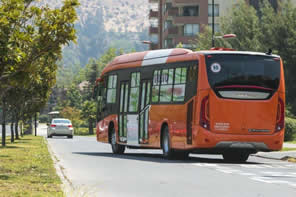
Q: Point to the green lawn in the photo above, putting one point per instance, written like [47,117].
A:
[288,149]
[292,142]
[26,169]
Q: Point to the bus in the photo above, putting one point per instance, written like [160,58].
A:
[52,115]
[217,101]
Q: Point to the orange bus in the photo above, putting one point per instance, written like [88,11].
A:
[216,101]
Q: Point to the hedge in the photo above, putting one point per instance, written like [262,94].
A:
[43,118]
[290,129]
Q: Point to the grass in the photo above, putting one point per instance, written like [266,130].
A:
[26,169]
[292,160]
[288,149]
[82,131]
[292,142]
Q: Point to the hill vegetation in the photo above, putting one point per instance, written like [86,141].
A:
[103,24]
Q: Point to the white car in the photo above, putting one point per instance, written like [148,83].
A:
[60,127]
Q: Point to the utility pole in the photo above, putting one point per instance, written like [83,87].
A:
[213,23]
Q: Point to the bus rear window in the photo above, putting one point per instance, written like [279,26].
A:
[243,73]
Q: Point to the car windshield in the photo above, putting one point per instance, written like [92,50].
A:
[227,70]
[61,121]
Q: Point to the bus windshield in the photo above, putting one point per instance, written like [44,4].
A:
[239,71]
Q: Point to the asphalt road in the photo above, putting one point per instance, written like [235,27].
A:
[94,171]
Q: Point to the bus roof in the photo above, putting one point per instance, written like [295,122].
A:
[213,52]
[144,58]
[161,56]
[53,112]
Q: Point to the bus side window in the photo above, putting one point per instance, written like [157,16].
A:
[156,86]
[101,99]
[166,86]
[134,93]
[111,89]
[191,85]
[179,84]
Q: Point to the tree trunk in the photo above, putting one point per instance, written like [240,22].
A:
[29,131]
[35,125]
[3,123]
[11,130]
[22,129]
[90,127]
[16,127]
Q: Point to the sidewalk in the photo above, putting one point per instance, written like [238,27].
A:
[279,155]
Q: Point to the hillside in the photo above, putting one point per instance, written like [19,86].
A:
[118,15]
[103,24]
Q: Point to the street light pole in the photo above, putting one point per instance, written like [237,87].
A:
[213,23]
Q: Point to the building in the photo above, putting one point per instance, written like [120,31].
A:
[178,21]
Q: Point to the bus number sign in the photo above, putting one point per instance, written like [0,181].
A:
[216,67]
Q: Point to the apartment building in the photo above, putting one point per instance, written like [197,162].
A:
[178,21]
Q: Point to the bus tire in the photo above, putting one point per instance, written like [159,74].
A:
[116,148]
[182,155]
[235,156]
[168,153]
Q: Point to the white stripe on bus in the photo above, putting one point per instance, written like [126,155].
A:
[156,57]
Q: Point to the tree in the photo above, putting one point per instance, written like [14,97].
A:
[89,113]
[74,97]
[31,40]
[72,114]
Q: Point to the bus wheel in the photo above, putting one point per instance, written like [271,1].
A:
[236,156]
[182,155]
[168,153]
[116,148]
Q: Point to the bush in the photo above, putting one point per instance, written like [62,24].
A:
[43,118]
[81,131]
[290,129]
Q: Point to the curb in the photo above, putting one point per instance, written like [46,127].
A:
[67,186]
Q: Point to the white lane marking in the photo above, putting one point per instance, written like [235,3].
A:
[251,166]
[228,171]
[271,180]
[267,166]
[280,174]
[292,184]
[264,176]
[210,165]
[247,174]
[261,179]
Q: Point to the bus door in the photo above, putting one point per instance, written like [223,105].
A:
[133,110]
[122,122]
[144,112]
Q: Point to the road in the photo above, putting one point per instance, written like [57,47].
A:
[93,170]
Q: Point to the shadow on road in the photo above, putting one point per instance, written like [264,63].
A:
[158,158]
